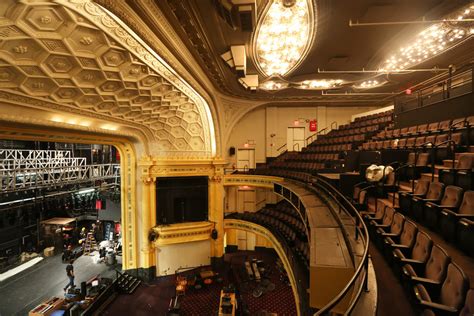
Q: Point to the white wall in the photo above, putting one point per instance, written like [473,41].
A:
[186,255]
[260,124]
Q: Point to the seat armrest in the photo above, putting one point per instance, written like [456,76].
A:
[382,226]
[465,216]
[448,212]
[425,281]
[400,246]
[439,307]
[412,261]
[390,234]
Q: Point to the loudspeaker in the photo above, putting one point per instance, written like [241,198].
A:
[214,234]
[232,151]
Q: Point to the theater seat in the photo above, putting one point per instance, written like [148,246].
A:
[385,222]
[394,230]
[406,240]
[419,253]
[447,299]
[452,198]
[422,165]
[431,273]
[434,195]
[461,173]
[449,217]
[404,197]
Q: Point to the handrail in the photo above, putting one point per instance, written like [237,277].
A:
[365,258]
[321,130]
[310,137]
[295,145]
[335,124]
[279,148]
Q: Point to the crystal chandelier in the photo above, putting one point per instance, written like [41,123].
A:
[283,36]
[430,42]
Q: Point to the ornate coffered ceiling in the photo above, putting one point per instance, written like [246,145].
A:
[77,56]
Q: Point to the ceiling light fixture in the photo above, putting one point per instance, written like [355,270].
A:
[274,85]
[320,84]
[369,84]
[432,41]
[283,36]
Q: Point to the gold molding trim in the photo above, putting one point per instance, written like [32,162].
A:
[181,233]
[251,180]
[262,231]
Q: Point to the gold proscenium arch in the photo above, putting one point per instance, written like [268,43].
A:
[70,71]
[261,231]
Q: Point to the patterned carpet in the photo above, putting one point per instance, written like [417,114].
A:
[153,299]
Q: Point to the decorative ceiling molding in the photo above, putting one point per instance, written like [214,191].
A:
[100,67]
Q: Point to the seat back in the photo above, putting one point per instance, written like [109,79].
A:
[380,212]
[444,125]
[411,159]
[421,187]
[408,235]
[435,191]
[452,196]
[402,142]
[468,309]
[455,286]
[397,224]
[388,216]
[410,142]
[465,161]
[421,250]
[430,139]
[420,141]
[423,159]
[467,204]
[390,179]
[432,127]
[422,128]
[437,264]
[441,138]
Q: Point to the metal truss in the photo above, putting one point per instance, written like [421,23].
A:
[33,154]
[29,169]
[14,164]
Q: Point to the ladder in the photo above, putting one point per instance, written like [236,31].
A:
[90,244]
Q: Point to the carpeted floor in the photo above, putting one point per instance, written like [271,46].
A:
[154,298]
[391,298]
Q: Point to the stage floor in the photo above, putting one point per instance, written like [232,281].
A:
[22,292]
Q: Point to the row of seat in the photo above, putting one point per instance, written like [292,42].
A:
[280,229]
[327,148]
[354,131]
[445,126]
[297,166]
[369,120]
[446,209]
[414,142]
[435,284]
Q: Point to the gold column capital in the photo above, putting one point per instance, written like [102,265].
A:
[148,180]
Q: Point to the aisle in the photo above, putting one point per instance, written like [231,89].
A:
[389,288]
[20,293]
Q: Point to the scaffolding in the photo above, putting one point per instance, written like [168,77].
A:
[29,169]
